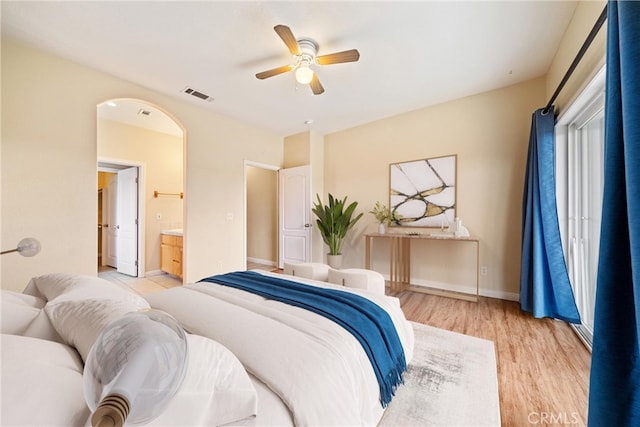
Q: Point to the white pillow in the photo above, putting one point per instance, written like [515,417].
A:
[41,383]
[308,270]
[216,388]
[79,306]
[18,311]
[42,328]
[358,278]
[79,322]
[58,287]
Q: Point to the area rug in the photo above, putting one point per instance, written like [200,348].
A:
[451,381]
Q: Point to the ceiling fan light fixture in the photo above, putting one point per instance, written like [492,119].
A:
[304,74]
[305,54]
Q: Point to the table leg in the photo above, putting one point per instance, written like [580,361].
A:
[367,253]
[477,270]
[392,264]
[399,266]
[406,262]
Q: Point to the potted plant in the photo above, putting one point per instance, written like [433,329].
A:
[334,220]
[384,216]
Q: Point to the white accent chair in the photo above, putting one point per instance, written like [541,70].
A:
[358,278]
[308,270]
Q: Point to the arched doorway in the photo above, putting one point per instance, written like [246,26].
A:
[140,156]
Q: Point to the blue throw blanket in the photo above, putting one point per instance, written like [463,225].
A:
[366,321]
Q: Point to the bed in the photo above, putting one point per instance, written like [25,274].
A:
[252,360]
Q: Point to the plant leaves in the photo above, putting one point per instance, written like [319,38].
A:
[334,221]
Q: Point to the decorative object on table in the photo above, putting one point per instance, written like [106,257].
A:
[456,229]
[27,247]
[134,369]
[423,191]
[334,220]
[384,216]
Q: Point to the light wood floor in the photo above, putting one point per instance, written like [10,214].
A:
[543,367]
[258,266]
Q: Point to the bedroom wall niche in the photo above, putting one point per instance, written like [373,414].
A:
[135,133]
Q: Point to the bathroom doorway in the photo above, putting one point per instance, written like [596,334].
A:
[120,228]
[139,137]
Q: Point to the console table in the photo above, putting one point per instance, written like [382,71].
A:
[400,262]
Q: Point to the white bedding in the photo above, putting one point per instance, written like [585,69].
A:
[317,368]
[303,368]
[42,379]
[41,383]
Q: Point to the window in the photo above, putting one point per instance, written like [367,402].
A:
[579,172]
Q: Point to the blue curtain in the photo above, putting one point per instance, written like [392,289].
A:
[545,289]
[614,396]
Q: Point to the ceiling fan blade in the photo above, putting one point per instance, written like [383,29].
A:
[288,38]
[338,57]
[274,72]
[315,85]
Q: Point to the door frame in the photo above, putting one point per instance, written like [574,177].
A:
[106,164]
[288,233]
[250,163]
[103,236]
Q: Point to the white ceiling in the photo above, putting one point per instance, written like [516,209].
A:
[412,54]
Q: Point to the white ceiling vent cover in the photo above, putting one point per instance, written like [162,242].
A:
[191,91]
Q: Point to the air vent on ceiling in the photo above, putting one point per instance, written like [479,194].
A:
[198,94]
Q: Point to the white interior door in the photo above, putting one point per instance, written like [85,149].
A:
[103,223]
[294,186]
[111,249]
[127,221]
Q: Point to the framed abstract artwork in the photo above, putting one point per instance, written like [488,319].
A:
[423,192]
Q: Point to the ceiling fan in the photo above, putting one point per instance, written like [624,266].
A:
[305,52]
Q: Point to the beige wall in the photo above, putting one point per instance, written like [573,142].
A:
[49,124]
[583,20]
[297,150]
[489,133]
[162,157]
[49,178]
[262,215]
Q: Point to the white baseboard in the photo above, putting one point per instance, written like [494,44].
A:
[262,261]
[465,289]
[508,296]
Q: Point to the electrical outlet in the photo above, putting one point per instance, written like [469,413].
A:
[484,270]
[229,216]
